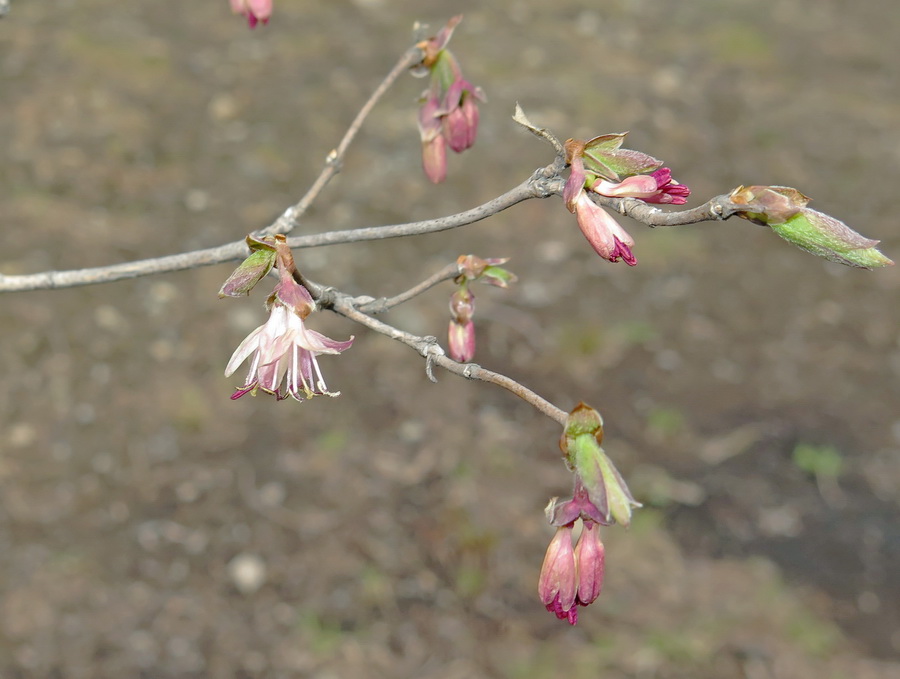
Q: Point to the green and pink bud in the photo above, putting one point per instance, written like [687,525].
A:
[253,269]
[601,166]
[461,334]
[448,115]
[784,210]
[605,488]
[474,268]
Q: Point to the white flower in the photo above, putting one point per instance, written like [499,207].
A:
[284,357]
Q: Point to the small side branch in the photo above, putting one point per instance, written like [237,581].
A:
[369,305]
[434,354]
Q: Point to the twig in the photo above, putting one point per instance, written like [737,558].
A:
[379,306]
[335,159]
[714,209]
[434,355]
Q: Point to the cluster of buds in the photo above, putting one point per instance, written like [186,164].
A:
[255,11]
[448,114]
[461,336]
[573,576]
[784,210]
[284,350]
[601,166]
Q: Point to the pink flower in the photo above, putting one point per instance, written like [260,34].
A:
[254,10]
[558,583]
[656,187]
[284,349]
[602,231]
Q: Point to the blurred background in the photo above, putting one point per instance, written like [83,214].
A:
[151,527]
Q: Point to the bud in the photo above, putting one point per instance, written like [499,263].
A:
[559,576]
[461,341]
[462,304]
[474,268]
[254,10]
[605,487]
[604,157]
[448,115]
[251,271]
[784,210]
[590,557]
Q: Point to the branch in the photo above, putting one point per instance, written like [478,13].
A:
[715,209]
[537,186]
[434,354]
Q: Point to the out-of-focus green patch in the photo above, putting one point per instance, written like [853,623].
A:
[581,339]
[662,247]
[646,522]
[740,44]
[819,461]
[322,637]
[470,580]
[676,644]
[144,69]
[767,137]
[665,422]
[332,440]
[587,339]
[817,637]
[192,409]
[376,587]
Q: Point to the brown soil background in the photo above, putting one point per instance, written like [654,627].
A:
[150,527]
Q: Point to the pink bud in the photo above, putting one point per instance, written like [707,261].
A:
[559,576]
[603,232]
[461,338]
[434,159]
[589,555]
[254,10]
[456,130]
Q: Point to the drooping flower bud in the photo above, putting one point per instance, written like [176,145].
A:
[461,340]
[558,583]
[590,557]
[784,210]
[448,115]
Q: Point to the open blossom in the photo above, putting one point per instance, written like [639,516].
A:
[254,10]
[284,350]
